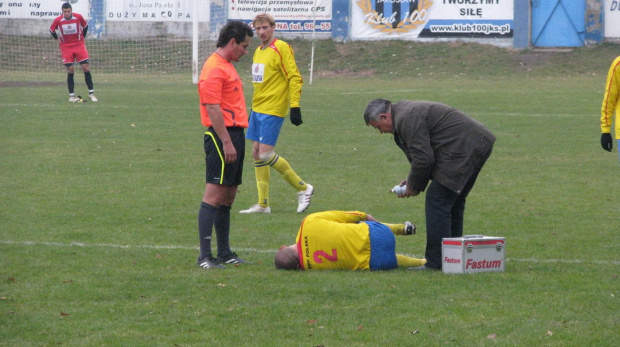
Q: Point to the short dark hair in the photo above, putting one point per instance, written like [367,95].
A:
[66,5]
[234,30]
[286,259]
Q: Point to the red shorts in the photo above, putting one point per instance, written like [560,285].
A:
[72,52]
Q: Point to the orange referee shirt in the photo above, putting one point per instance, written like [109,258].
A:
[220,84]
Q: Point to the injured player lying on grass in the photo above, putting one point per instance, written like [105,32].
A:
[346,240]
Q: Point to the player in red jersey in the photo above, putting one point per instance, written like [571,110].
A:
[69,30]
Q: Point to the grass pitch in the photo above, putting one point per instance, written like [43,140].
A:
[98,208]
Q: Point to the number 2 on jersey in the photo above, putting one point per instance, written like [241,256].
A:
[330,257]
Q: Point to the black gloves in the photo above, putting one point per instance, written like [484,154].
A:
[606,141]
[296,116]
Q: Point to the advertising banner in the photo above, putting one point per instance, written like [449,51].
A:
[155,10]
[41,9]
[432,18]
[612,18]
[290,15]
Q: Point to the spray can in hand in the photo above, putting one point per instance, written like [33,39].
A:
[399,190]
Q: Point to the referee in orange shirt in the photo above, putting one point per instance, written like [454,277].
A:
[223,112]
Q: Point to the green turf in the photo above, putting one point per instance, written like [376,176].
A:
[99,201]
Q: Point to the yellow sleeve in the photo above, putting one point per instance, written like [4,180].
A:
[610,99]
[295,80]
[340,216]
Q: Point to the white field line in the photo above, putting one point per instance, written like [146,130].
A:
[111,245]
[99,106]
[255,250]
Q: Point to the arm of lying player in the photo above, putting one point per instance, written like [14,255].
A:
[336,217]
[370,218]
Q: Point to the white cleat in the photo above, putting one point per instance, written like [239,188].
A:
[257,209]
[73,99]
[304,198]
[93,97]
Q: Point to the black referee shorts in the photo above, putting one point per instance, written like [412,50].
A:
[218,172]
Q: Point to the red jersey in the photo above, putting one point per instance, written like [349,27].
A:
[219,84]
[69,30]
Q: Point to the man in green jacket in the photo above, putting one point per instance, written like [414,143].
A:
[443,145]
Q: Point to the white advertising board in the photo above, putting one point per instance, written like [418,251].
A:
[290,15]
[612,18]
[155,10]
[41,9]
[432,19]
